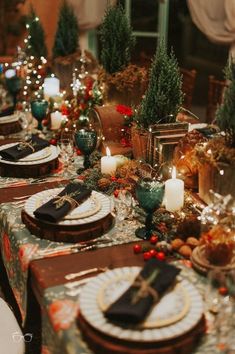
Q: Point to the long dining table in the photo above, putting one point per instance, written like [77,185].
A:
[33,271]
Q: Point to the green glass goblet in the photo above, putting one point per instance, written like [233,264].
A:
[14,85]
[86,140]
[39,111]
[149,194]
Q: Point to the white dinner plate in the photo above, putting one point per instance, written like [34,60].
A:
[47,154]
[9,119]
[108,286]
[89,211]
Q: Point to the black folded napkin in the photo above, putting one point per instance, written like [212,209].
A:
[24,149]
[154,279]
[7,111]
[57,208]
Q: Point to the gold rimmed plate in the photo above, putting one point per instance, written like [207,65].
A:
[176,313]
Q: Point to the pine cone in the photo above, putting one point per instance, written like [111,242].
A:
[104,183]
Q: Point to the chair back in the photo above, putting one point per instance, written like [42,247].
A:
[11,337]
[188,84]
[215,97]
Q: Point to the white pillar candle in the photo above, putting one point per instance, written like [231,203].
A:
[174,193]
[56,120]
[51,87]
[108,163]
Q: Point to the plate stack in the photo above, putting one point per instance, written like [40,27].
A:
[89,220]
[174,325]
[10,124]
[37,164]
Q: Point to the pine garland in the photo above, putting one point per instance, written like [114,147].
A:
[164,96]
[66,38]
[116,39]
[36,39]
[225,114]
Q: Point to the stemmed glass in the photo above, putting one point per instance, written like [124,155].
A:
[66,153]
[86,140]
[149,194]
[39,111]
[122,207]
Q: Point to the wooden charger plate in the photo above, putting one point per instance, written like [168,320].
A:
[75,230]
[104,344]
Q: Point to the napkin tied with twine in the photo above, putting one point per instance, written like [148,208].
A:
[152,282]
[24,148]
[59,206]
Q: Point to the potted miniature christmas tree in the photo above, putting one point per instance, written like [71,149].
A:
[160,105]
[124,83]
[36,46]
[217,157]
[66,46]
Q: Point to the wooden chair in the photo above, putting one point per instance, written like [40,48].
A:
[215,97]
[188,83]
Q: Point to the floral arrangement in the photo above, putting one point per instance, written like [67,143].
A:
[127,113]
[87,95]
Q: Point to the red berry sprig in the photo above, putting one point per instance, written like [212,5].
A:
[150,251]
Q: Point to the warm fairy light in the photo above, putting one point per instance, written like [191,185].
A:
[221,172]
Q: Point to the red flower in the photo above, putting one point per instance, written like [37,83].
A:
[62,313]
[125,110]
[6,247]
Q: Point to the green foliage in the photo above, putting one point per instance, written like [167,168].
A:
[116,39]
[163,96]
[225,114]
[36,39]
[66,38]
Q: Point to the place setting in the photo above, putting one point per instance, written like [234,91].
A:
[71,214]
[148,309]
[32,157]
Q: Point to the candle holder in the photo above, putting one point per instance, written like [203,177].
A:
[86,140]
[149,194]
[39,111]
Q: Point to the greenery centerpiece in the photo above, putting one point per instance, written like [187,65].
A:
[66,45]
[123,82]
[162,100]
[217,157]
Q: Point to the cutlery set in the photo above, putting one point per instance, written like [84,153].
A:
[75,287]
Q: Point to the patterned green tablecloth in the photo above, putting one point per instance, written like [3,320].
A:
[60,334]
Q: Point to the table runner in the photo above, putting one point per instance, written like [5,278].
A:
[19,247]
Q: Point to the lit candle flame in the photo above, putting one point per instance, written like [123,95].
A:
[108,153]
[173,173]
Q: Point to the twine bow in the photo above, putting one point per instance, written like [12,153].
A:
[60,200]
[25,145]
[145,288]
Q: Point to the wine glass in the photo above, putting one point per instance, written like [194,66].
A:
[149,194]
[39,111]
[66,154]
[86,140]
[122,207]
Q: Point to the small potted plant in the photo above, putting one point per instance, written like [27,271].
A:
[217,157]
[66,45]
[162,100]
[124,83]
